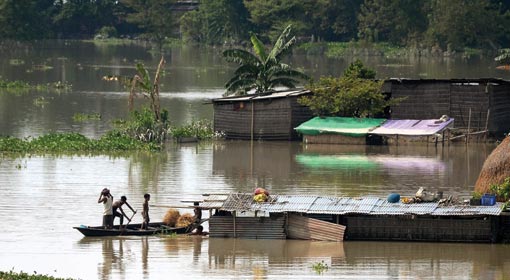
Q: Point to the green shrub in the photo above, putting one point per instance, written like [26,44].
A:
[502,191]
[201,129]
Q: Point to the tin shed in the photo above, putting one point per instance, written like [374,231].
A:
[269,116]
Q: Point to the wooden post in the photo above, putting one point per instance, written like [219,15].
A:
[487,125]
[442,140]
[252,119]
[469,126]
[234,217]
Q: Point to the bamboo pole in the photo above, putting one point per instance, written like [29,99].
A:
[234,218]
[469,126]
[252,120]
[487,125]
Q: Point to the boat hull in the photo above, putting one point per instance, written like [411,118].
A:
[131,230]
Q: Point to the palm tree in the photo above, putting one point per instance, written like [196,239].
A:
[262,71]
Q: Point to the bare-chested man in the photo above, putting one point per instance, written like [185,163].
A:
[117,205]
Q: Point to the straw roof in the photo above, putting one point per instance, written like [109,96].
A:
[496,167]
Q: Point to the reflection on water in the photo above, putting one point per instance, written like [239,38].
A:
[188,257]
[43,197]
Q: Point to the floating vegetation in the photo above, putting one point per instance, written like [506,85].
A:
[23,87]
[13,84]
[16,62]
[201,130]
[74,142]
[11,275]
[320,267]
[79,117]
[41,101]
[41,67]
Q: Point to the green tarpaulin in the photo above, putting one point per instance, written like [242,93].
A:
[338,125]
[337,161]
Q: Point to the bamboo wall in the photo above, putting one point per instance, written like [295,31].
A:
[273,119]
[500,109]
[467,101]
[247,227]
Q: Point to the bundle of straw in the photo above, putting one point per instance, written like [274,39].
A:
[185,220]
[171,217]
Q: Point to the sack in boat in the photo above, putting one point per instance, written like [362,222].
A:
[171,217]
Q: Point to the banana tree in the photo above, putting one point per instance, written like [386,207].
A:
[261,70]
[141,84]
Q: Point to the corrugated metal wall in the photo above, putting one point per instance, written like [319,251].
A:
[247,227]
[406,228]
[300,227]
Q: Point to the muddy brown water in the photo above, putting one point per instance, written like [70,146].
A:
[43,197]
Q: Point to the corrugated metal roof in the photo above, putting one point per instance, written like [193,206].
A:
[341,205]
[412,127]
[275,94]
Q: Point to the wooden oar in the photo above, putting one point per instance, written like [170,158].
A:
[130,219]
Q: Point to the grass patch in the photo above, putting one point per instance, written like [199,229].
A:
[361,48]
[114,42]
[11,275]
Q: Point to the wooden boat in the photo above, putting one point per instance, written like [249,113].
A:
[131,229]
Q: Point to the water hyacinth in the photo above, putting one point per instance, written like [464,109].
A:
[199,129]
[73,142]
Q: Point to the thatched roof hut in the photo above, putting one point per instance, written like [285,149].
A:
[496,167]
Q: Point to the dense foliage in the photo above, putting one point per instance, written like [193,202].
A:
[263,69]
[354,94]
[441,24]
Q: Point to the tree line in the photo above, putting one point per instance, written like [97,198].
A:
[443,24]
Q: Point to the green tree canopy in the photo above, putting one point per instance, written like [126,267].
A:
[348,96]
[395,21]
[455,24]
[154,17]
[26,20]
[263,70]
[216,22]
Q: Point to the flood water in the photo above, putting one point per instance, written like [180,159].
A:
[43,197]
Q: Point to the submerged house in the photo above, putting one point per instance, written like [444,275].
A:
[310,217]
[476,105]
[340,130]
[268,116]
[473,103]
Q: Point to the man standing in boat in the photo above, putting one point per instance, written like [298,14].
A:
[117,205]
[107,199]
[145,211]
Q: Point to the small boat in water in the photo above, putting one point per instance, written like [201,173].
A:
[131,229]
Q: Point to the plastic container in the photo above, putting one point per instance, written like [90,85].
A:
[393,198]
[488,199]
